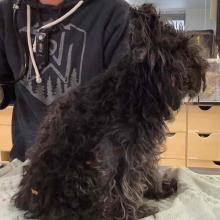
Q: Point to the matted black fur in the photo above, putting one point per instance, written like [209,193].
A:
[97,151]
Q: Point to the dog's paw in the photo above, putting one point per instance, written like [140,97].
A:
[169,187]
[162,189]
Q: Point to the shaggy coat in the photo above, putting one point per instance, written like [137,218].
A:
[96,156]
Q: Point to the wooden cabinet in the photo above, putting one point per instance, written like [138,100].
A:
[5,133]
[175,145]
[172,162]
[5,138]
[194,140]
[204,146]
[204,119]
[203,164]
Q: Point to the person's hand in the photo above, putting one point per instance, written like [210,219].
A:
[1,95]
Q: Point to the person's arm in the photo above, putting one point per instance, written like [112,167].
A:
[1,95]
[116,35]
[6,96]
[6,92]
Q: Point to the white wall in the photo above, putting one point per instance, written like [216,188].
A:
[198,19]
[173,4]
[194,13]
[136,2]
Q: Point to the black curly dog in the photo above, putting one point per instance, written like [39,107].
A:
[97,152]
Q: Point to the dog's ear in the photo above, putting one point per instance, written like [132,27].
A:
[172,61]
[141,30]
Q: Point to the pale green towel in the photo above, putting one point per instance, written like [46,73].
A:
[198,196]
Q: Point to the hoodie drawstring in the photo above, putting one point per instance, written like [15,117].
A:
[31,47]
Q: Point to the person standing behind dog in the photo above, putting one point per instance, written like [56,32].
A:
[82,46]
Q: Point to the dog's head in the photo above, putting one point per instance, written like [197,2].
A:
[172,62]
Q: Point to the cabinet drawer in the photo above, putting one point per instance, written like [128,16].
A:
[204,147]
[5,138]
[172,162]
[6,116]
[179,123]
[4,156]
[204,118]
[175,146]
[203,164]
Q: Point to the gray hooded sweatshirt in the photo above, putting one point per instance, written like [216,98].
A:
[80,48]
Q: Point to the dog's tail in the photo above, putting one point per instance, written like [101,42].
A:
[170,58]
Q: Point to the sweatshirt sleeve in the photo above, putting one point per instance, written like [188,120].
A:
[5,71]
[116,34]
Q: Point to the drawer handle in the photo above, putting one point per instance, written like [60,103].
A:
[171,134]
[202,135]
[205,107]
[216,163]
